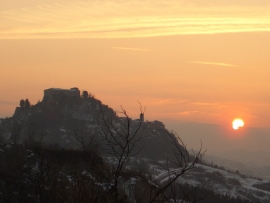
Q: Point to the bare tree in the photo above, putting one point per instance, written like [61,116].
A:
[175,168]
[121,138]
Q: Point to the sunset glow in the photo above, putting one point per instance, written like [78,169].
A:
[198,69]
[185,61]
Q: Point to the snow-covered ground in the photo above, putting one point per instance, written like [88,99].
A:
[222,182]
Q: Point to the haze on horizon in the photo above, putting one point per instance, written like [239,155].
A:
[205,62]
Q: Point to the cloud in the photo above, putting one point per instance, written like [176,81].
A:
[167,102]
[204,104]
[132,49]
[213,63]
[183,113]
[114,19]
[180,113]
[211,105]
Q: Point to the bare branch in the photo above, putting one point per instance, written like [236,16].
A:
[182,163]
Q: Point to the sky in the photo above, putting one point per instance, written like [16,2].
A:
[185,61]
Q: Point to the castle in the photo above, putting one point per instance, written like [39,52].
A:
[50,93]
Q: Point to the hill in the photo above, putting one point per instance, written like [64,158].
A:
[72,144]
[64,118]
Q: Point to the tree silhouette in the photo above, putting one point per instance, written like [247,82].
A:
[121,141]
[85,94]
[27,104]
[22,103]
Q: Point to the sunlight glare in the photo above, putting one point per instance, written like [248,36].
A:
[237,123]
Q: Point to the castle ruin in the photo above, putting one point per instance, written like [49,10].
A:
[49,94]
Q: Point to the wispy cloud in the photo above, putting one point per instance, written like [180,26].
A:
[213,63]
[210,104]
[132,49]
[180,113]
[183,113]
[163,101]
[204,103]
[114,19]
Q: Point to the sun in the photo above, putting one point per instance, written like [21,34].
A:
[237,123]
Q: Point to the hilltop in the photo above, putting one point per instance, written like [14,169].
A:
[64,113]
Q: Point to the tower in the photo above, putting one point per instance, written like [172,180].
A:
[142,117]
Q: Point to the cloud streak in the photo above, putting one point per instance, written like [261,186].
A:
[113,19]
[132,49]
[208,104]
[213,63]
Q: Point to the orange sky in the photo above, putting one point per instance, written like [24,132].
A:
[204,62]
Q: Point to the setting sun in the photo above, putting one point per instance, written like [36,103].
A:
[237,123]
